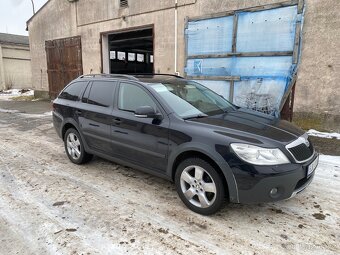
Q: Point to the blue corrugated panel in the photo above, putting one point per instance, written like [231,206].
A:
[240,66]
[211,36]
[261,66]
[209,67]
[263,80]
[271,30]
[260,94]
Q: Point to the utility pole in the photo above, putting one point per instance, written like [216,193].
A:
[33,7]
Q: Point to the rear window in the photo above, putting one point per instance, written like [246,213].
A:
[72,91]
[100,93]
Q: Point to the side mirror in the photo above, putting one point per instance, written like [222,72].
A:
[147,112]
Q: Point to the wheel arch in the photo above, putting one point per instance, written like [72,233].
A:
[66,127]
[70,123]
[215,160]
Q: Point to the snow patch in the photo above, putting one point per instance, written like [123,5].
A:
[8,111]
[332,160]
[8,94]
[313,132]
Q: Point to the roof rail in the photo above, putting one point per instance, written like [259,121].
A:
[104,75]
[155,74]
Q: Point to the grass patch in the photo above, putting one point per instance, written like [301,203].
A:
[23,98]
[326,146]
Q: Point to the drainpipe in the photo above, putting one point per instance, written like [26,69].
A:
[176,33]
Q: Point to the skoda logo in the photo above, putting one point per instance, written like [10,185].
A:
[307,142]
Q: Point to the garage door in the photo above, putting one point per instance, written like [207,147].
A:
[64,63]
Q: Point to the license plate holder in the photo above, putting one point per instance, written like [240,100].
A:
[311,168]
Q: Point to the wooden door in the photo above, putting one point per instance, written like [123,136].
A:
[64,63]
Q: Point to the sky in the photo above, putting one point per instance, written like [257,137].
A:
[15,13]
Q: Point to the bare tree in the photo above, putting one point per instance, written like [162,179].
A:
[33,7]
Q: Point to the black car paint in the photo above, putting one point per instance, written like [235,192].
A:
[154,145]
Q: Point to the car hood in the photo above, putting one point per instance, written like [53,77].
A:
[254,123]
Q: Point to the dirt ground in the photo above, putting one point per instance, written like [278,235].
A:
[50,206]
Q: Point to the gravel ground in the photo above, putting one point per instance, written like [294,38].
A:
[50,206]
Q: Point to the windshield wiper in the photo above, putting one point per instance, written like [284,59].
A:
[197,116]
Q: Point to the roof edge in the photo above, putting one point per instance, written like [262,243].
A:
[42,7]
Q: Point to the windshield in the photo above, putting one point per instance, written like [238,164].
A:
[189,99]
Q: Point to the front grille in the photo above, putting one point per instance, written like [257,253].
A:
[301,152]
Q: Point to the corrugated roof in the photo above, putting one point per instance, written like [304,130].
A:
[14,39]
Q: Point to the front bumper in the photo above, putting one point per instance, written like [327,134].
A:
[256,182]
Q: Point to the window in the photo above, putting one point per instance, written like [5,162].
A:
[131,97]
[100,93]
[140,57]
[123,3]
[189,99]
[72,91]
[131,56]
[86,94]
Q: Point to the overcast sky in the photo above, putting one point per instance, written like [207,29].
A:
[15,13]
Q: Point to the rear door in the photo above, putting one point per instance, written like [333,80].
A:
[68,100]
[95,115]
[142,141]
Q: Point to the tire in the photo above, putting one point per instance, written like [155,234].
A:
[199,186]
[74,147]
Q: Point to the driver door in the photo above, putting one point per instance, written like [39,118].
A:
[142,141]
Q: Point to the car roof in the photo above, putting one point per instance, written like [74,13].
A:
[144,78]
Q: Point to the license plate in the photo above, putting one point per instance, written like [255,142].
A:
[312,166]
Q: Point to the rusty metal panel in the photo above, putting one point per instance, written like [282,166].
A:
[64,62]
[287,109]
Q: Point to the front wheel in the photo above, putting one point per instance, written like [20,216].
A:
[199,186]
[74,147]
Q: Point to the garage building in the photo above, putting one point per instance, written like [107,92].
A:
[15,62]
[255,51]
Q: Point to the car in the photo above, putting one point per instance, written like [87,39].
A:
[177,129]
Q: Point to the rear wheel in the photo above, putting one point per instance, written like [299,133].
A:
[199,186]
[74,147]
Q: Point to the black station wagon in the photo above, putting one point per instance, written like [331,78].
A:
[180,130]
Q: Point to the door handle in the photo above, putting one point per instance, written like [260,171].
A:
[117,121]
[94,125]
[78,112]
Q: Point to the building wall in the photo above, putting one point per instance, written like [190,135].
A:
[318,78]
[15,67]
[318,84]
[55,20]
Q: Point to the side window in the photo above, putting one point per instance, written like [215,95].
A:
[72,91]
[131,97]
[86,94]
[100,93]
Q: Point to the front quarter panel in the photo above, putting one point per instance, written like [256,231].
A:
[183,138]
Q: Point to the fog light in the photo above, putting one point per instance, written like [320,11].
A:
[273,192]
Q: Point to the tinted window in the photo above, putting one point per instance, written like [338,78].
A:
[131,97]
[86,94]
[72,91]
[101,93]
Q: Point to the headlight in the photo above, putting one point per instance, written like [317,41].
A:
[258,155]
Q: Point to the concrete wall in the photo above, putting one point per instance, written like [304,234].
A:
[15,67]
[318,84]
[318,78]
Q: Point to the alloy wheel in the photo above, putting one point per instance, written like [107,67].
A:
[73,146]
[197,186]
